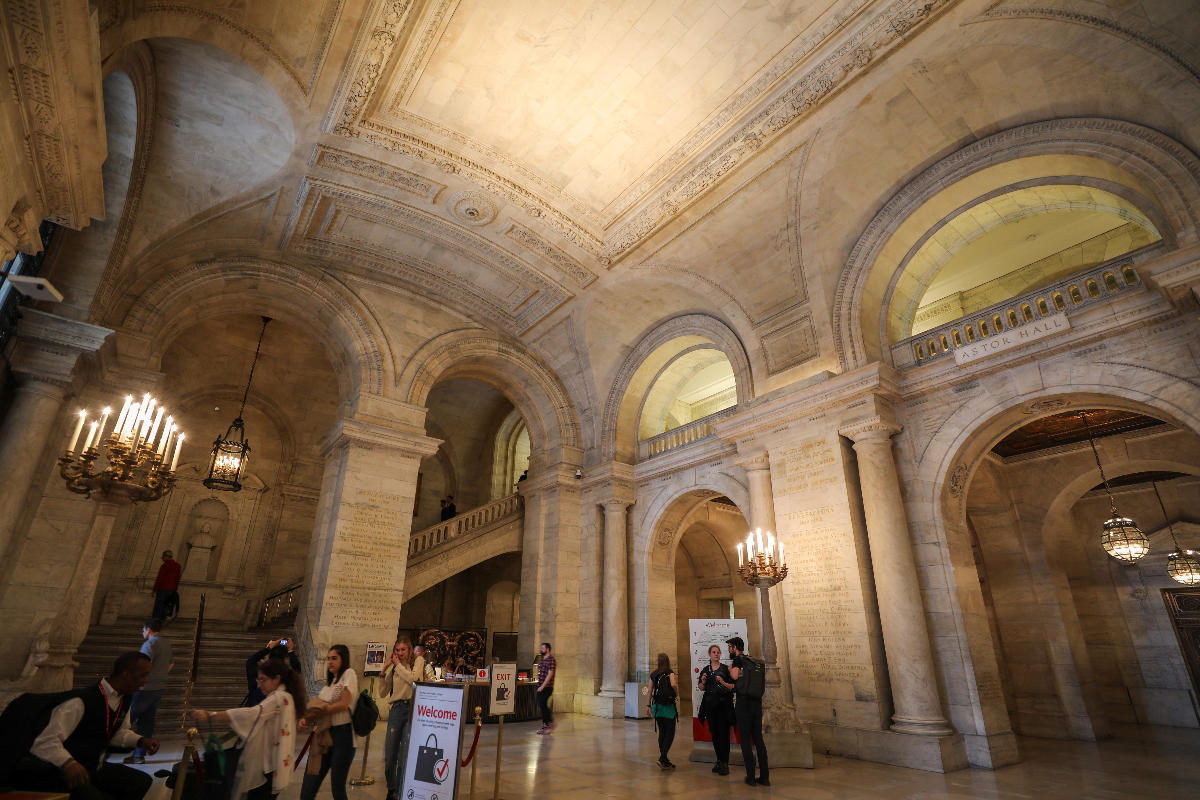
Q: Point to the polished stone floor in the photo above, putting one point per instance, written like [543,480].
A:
[588,757]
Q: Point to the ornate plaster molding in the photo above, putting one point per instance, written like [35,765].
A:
[687,173]
[391,176]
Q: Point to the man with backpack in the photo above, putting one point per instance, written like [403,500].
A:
[58,742]
[749,683]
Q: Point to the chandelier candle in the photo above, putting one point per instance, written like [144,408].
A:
[135,451]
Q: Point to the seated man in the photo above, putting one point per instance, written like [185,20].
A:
[71,733]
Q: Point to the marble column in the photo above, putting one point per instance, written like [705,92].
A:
[918,707]
[616,601]
[57,672]
[43,357]
[762,517]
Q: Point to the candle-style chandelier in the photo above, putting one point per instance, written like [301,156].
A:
[1182,565]
[759,566]
[136,451]
[229,455]
[1119,536]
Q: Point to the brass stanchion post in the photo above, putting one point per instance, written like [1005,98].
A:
[475,761]
[363,779]
[189,753]
[499,745]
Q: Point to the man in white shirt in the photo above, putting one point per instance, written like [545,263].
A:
[68,755]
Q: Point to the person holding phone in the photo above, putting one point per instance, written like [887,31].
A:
[276,648]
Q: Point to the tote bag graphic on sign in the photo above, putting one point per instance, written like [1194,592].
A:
[429,761]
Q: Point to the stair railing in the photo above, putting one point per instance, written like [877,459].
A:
[464,523]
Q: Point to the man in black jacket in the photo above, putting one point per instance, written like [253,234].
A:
[72,732]
[748,712]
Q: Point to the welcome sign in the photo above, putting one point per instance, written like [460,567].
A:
[431,771]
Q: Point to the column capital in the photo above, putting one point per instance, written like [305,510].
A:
[753,460]
[872,428]
[369,436]
[47,346]
[615,505]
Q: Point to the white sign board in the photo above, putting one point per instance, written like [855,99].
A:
[503,695]
[376,658]
[703,634]
[1012,338]
[431,770]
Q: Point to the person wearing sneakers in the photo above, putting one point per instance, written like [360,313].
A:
[546,669]
[664,690]
[748,712]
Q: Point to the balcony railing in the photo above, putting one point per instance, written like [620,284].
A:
[1094,286]
[466,522]
[694,431]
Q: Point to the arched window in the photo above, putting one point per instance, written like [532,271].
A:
[696,383]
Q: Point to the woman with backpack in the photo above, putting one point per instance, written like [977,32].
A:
[716,707]
[339,696]
[663,692]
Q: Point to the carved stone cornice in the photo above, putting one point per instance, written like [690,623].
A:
[556,476]
[47,347]
[367,436]
[877,428]
[751,460]
[847,393]
[611,482]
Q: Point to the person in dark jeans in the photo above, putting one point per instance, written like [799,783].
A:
[341,694]
[716,706]
[664,687]
[546,669]
[145,702]
[748,712]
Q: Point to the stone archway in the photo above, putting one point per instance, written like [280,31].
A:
[1146,163]
[618,435]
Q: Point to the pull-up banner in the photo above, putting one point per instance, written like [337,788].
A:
[431,770]
[704,634]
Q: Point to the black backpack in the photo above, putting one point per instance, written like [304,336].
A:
[664,692]
[365,715]
[752,680]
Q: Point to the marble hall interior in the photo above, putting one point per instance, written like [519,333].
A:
[911,286]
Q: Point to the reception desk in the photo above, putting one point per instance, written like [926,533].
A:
[526,706]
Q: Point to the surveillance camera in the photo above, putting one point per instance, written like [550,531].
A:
[578,474]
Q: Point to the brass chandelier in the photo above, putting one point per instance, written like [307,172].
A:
[1183,566]
[762,566]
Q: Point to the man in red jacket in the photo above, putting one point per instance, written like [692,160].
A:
[166,586]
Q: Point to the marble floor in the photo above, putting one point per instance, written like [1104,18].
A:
[587,757]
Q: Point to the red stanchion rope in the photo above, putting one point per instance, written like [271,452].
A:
[196,763]
[303,750]
[474,743]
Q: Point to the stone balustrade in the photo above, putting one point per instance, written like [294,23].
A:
[1096,285]
[495,511]
[682,436]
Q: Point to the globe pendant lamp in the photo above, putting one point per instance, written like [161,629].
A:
[1119,536]
[1182,565]
[231,451]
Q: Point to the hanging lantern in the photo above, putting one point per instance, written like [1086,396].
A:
[231,451]
[1123,540]
[1119,536]
[1184,566]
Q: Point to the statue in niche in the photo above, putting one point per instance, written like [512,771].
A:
[206,533]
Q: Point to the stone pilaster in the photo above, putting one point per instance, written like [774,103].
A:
[918,708]
[43,356]
[354,583]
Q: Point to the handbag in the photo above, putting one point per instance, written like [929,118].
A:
[428,759]
[365,715]
[221,763]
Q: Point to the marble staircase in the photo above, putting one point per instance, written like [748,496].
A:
[221,681]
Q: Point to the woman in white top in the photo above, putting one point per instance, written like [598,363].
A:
[341,693]
[267,731]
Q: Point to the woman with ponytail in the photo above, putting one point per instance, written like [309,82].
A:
[267,732]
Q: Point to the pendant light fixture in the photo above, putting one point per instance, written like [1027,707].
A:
[1119,536]
[1182,565]
[230,454]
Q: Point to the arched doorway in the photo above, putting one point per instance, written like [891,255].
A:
[1082,640]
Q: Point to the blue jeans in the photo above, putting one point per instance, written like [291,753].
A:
[336,760]
[142,713]
[395,744]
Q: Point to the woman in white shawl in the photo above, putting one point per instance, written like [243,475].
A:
[267,732]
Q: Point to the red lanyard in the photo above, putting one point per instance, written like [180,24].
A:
[111,718]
